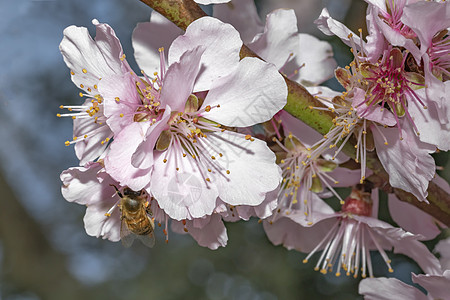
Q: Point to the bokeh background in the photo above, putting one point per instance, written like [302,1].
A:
[44,251]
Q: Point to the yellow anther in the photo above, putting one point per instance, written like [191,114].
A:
[84,71]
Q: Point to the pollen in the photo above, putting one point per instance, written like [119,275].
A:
[84,71]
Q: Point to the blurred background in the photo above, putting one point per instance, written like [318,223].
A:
[44,250]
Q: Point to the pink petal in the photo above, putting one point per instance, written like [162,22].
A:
[182,194]
[374,113]
[301,57]
[206,2]
[80,184]
[119,113]
[346,177]
[222,46]
[90,186]
[403,242]
[99,225]
[212,235]
[395,38]
[245,97]
[253,171]
[317,57]
[436,286]
[376,43]
[412,219]
[388,289]
[147,39]
[443,248]
[432,129]
[90,59]
[143,156]
[437,18]
[285,231]
[408,162]
[436,92]
[118,160]
[329,26]
[91,148]
[242,15]
[279,38]
[180,78]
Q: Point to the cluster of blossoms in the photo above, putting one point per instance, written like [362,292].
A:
[202,137]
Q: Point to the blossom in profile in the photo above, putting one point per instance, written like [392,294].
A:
[347,237]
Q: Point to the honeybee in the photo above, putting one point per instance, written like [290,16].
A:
[135,218]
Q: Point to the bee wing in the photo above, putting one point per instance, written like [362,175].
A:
[126,236]
[148,239]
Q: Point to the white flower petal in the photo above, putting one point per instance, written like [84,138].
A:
[206,2]
[182,194]
[436,286]
[222,44]
[212,235]
[89,59]
[388,289]
[242,14]
[253,171]
[412,219]
[408,162]
[245,97]
[118,161]
[180,78]
[121,100]
[147,39]
[90,148]
[432,130]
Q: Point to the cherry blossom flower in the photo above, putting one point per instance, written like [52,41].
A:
[304,174]
[394,95]
[92,186]
[89,61]
[347,236]
[183,124]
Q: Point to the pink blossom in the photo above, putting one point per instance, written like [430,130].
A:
[341,234]
[89,61]
[90,186]
[191,147]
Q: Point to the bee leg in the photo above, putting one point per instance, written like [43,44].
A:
[117,190]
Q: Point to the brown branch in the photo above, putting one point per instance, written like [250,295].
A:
[184,12]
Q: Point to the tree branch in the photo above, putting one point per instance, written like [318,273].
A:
[299,101]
